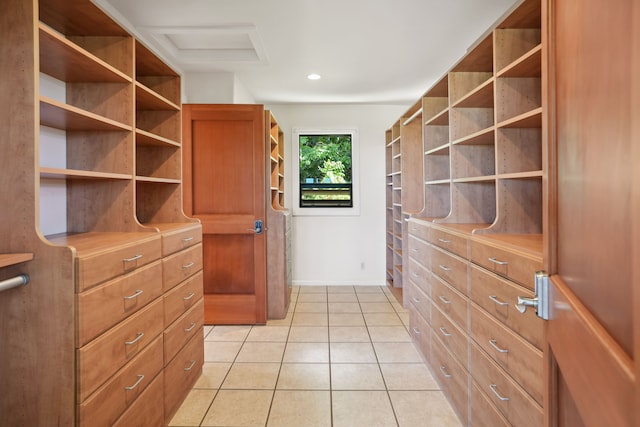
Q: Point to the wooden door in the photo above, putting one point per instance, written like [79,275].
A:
[224,186]
[593,335]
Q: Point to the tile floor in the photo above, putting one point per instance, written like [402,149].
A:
[341,358]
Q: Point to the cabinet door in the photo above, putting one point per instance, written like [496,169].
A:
[224,186]
[593,334]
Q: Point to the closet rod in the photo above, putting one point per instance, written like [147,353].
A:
[19,280]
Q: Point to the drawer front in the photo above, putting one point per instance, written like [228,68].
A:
[450,268]
[452,377]
[509,398]
[175,241]
[513,354]
[99,359]
[498,297]
[182,373]
[448,241]
[420,302]
[483,413]
[178,267]
[419,251]
[420,332]
[420,276]
[418,228]
[145,411]
[517,267]
[181,298]
[451,302]
[455,339]
[105,305]
[187,325]
[120,260]
[104,406]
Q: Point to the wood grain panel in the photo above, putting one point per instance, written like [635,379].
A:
[227,266]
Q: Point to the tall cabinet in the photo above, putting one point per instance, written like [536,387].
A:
[108,331]
[477,241]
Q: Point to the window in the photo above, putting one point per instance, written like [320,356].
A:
[326,171]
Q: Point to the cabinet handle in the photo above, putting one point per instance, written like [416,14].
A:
[494,389]
[133,258]
[495,345]
[416,300]
[416,331]
[497,301]
[444,267]
[444,332]
[189,265]
[415,250]
[137,294]
[186,240]
[414,274]
[137,383]
[444,300]
[190,328]
[188,297]
[444,372]
[193,362]
[495,261]
[138,337]
[444,240]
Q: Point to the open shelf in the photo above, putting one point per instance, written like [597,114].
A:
[67,117]
[55,173]
[7,260]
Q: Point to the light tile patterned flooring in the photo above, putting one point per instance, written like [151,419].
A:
[341,358]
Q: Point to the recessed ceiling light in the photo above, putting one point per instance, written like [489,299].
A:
[314,76]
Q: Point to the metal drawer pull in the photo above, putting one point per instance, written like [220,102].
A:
[193,362]
[187,239]
[133,258]
[444,267]
[131,387]
[137,294]
[497,301]
[414,250]
[444,332]
[495,345]
[416,331]
[188,297]
[414,274]
[416,300]
[494,388]
[190,328]
[444,372]
[136,339]
[444,300]
[444,240]
[495,261]
[191,264]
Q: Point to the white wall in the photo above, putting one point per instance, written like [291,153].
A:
[346,250]
[214,88]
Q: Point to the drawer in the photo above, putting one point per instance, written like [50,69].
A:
[105,305]
[106,405]
[182,373]
[419,251]
[450,268]
[420,302]
[180,331]
[455,339]
[178,267]
[419,228]
[451,302]
[483,413]
[145,411]
[99,359]
[498,297]
[420,276]
[517,357]
[116,260]
[176,240]
[509,398]
[179,299]
[451,242]
[452,377]
[420,332]
[519,267]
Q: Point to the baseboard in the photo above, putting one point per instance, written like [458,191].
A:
[326,283]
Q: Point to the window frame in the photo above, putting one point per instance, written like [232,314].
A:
[353,210]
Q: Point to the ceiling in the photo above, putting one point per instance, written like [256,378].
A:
[367,51]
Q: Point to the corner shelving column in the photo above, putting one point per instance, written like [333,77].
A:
[389,208]
[396,205]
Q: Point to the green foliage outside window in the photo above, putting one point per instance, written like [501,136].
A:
[325,158]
